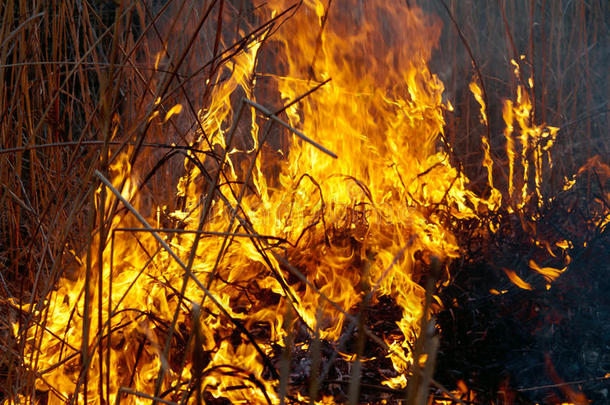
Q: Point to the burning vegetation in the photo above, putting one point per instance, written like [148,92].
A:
[275,206]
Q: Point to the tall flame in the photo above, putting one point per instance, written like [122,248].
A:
[370,219]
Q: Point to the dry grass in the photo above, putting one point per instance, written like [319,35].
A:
[567,51]
[77,85]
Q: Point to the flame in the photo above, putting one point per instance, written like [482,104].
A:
[495,198]
[289,226]
[518,281]
[575,397]
[536,143]
[549,273]
[177,109]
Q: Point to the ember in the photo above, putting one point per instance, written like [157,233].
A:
[322,242]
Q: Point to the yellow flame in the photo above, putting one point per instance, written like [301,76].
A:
[535,144]
[549,273]
[478,95]
[374,217]
[518,281]
[177,109]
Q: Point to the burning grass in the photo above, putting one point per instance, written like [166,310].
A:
[244,203]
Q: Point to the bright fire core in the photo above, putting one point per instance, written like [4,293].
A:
[370,219]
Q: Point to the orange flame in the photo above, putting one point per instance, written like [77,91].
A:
[289,226]
[518,281]
[536,142]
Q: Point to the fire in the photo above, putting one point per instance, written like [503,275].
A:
[518,281]
[294,239]
[536,143]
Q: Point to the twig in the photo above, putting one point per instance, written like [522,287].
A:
[212,233]
[127,390]
[189,272]
[290,127]
[584,381]
[474,63]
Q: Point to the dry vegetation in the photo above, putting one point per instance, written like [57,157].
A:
[566,47]
[78,84]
